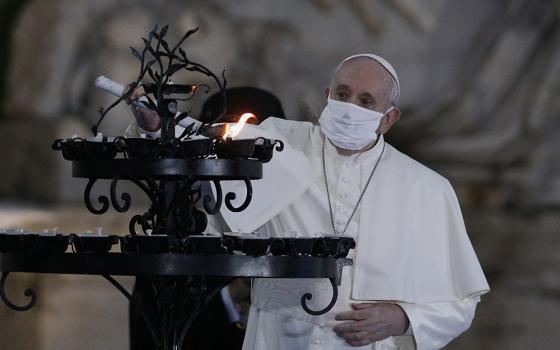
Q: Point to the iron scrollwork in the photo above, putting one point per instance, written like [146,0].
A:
[335,282]
[230,196]
[124,196]
[309,296]
[103,200]
[212,210]
[146,222]
[279,145]
[30,293]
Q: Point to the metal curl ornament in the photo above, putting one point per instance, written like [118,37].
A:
[143,221]
[279,145]
[124,196]
[218,202]
[30,293]
[309,296]
[230,196]
[103,200]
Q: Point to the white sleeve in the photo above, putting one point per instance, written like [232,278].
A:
[153,134]
[434,325]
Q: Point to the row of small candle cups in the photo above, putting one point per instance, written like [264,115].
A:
[76,148]
[332,246]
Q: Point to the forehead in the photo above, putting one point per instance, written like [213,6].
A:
[363,74]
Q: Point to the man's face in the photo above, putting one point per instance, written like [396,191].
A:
[363,82]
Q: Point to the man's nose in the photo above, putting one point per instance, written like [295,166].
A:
[354,100]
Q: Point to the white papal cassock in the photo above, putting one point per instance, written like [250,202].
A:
[412,247]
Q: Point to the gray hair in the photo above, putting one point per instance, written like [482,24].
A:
[393,93]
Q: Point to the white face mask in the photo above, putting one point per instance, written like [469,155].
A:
[349,126]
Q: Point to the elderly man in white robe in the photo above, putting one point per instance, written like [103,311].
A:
[416,280]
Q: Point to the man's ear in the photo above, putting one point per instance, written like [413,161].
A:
[327,91]
[390,119]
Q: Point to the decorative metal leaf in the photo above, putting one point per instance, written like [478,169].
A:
[182,52]
[196,69]
[191,32]
[174,68]
[163,31]
[152,33]
[135,53]
[187,34]
[151,73]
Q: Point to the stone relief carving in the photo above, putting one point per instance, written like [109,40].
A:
[479,78]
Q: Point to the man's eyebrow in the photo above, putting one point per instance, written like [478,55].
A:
[342,86]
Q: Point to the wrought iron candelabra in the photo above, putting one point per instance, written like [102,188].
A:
[166,245]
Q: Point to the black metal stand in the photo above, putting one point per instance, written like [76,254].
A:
[169,171]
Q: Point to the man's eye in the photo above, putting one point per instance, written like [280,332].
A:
[367,103]
[341,95]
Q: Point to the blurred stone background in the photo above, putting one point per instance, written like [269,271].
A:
[480,85]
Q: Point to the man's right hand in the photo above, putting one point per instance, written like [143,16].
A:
[145,118]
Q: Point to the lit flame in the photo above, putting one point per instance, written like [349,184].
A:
[232,131]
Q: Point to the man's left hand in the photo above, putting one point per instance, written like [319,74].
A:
[371,322]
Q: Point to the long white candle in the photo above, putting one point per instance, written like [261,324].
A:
[116,89]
